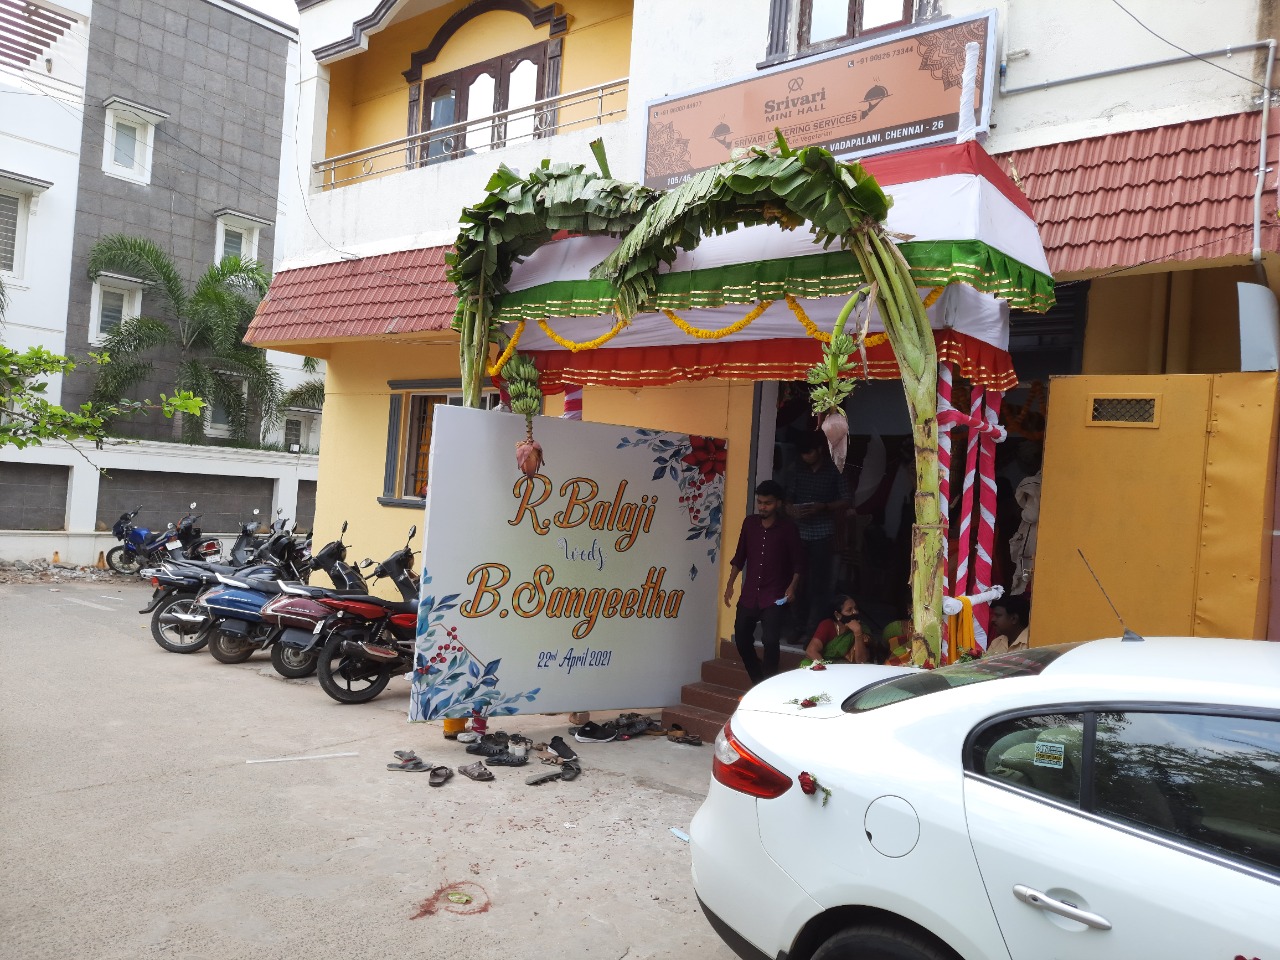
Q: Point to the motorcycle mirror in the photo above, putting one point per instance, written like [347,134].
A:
[171,527]
[413,531]
[344,527]
[366,563]
[256,511]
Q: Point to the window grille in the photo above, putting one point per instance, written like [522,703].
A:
[1123,410]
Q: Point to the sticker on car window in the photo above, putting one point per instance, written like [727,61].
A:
[1049,754]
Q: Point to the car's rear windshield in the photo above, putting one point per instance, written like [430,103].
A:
[1022,663]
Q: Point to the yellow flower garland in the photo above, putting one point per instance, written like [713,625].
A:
[733,328]
[590,344]
[933,296]
[506,354]
[812,328]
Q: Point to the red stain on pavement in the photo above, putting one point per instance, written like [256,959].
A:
[480,902]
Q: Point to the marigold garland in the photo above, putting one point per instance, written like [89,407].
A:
[933,296]
[812,328]
[590,344]
[733,328]
[506,354]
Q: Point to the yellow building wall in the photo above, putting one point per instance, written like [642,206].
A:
[369,98]
[1133,321]
[1175,517]
[354,441]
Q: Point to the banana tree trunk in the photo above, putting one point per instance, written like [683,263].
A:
[911,337]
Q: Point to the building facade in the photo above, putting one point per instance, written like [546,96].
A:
[1144,142]
[166,121]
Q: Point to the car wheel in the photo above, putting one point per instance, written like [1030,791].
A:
[880,943]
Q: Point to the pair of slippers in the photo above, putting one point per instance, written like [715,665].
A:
[410,762]
[566,770]
[678,734]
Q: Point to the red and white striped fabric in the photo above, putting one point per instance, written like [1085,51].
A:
[572,402]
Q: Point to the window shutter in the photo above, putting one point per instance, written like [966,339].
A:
[8,231]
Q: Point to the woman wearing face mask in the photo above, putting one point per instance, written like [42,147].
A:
[840,637]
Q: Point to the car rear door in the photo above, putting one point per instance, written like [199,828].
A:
[1129,833]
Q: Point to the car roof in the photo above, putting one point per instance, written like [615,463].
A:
[1244,664]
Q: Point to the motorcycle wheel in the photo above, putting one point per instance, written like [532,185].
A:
[227,648]
[292,663]
[123,562]
[178,637]
[349,679]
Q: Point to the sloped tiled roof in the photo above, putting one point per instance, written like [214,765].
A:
[1177,192]
[402,292]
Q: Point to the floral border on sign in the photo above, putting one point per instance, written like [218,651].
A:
[448,681]
[697,466]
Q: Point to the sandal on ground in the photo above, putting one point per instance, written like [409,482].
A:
[476,771]
[518,740]
[497,738]
[570,771]
[689,739]
[404,755]
[675,731]
[410,766]
[440,776]
[506,760]
[546,776]
[467,736]
[634,728]
[562,749]
[483,749]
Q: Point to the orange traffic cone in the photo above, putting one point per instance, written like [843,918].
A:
[102,561]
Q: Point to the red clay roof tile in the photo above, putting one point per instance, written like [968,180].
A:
[1178,192]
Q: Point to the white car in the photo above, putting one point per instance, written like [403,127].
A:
[1111,800]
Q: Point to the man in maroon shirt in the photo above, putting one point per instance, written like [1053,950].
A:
[770,551]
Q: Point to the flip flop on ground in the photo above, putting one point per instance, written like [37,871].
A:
[440,776]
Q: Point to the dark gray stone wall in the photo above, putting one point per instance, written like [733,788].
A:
[306,504]
[221,79]
[33,496]
[223,502]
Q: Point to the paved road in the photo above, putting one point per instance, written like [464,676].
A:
[134,828]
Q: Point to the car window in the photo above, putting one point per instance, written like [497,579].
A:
[1211,780]
[1021,663]
[1043,753]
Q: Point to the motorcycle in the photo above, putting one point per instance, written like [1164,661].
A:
[246,544]
[177,623]
[367,640]
[142,546]
[241,622]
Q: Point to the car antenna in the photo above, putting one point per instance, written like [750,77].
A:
[1128,636]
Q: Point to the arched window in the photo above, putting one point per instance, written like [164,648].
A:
[446,106]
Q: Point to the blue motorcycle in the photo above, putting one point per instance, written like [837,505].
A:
[143,547]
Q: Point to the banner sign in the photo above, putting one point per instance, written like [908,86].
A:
[899,90]
[590,585]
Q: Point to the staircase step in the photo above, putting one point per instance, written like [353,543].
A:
[726,673]
[789,658]
[711,696]
[705,723]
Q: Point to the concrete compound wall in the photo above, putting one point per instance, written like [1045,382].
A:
[164,478]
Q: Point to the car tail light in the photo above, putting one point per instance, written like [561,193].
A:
[739,769]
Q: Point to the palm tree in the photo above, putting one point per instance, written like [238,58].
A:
[205,326]
[309,394]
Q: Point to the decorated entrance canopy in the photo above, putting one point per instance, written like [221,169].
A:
[934,261]
[753,303]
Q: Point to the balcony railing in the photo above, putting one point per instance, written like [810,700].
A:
[590,107]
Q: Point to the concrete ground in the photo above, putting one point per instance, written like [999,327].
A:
[134,828]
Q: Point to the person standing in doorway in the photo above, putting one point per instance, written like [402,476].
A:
[769,551]
[816,493]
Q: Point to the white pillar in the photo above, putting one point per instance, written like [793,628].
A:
[285,497]
[82,498]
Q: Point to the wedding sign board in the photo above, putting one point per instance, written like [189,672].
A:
[590,585]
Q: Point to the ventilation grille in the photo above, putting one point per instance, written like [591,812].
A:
[1124,410]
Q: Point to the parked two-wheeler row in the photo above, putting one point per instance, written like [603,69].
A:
[353,640]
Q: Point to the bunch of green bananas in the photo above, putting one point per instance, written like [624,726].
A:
[522,385]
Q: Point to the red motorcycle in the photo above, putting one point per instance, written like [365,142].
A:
[367,640]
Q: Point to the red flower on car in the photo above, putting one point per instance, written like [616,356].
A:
[707,454]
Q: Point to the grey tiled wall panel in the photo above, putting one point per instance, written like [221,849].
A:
[224,502]
[33,496]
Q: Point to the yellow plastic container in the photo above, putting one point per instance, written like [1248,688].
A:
[454,726]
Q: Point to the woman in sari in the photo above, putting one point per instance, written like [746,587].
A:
[840,637]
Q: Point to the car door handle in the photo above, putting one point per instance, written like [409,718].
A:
[1041,901]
